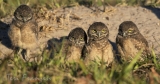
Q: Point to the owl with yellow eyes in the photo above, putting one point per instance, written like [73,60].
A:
[98,49]
[130,41]
[71,46]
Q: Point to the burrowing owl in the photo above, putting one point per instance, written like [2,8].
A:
[23,30]
[98,47]
[72,46]
[130,41]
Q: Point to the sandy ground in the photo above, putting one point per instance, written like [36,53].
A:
[59,22]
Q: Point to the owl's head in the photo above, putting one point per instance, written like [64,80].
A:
[127,29]
[23,13]
[77,37]
[98,31]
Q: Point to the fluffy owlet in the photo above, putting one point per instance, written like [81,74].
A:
[98,47]
[71,47]
[23,31]
[130,41]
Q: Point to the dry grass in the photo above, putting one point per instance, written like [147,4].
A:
[7,7]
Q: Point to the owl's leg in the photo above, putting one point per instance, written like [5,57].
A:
[27,54]
[19,51]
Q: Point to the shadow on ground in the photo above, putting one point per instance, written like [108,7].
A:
[4,38]
[55,45]
[115,50]
[156,11]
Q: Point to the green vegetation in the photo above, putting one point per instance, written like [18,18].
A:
[56,71]
[7,7]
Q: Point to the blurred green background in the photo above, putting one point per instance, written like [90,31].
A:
[8,6]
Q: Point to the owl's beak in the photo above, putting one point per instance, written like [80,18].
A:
[123,34]
[24,20]
[77,42]
[99,34]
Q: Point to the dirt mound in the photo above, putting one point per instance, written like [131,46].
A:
[58,23]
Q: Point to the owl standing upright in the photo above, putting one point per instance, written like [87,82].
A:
[23,31]
[71,47]
[98,47]
[130,41]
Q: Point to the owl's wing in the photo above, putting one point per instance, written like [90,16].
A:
[14,34]
[121,53]
[84,52]
[67,49]
[119,43]
[139,41]
[141,44]
[34,27]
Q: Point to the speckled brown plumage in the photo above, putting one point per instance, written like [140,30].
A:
[98,48]
[130,41]
[71,46]
[23,31]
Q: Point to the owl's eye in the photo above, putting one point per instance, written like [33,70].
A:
[81,38]
[93,31]
[103,31]
[130,30]
[71,38]
[19,17]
